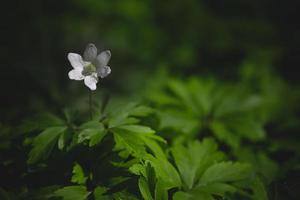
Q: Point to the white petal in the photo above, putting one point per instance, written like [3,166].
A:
[90,82]
[103,71]
[76,60]
[90,52]
[76,74]
[103,58]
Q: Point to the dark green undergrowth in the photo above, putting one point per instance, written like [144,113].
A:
[192,138]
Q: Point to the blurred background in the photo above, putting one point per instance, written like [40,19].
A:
[192,37]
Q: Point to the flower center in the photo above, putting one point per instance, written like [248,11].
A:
[88,69]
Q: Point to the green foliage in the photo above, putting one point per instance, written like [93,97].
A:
[91,132]
[158,151]
[44,143]
[78,175]
[196,105]
[72,193]
[190,166]
[194,108]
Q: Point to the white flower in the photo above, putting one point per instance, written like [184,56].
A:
[90,67]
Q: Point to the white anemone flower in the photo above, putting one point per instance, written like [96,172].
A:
[90,67]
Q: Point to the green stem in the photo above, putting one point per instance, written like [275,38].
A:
[90,102]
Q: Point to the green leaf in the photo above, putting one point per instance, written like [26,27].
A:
[248,128]
[64,138]
[259,191]
[73,193]
[44,143]
[128,143]
[179,121]
[144,189]
[225,172]
[124,195]
[219,189]
[99,193]
[165,171]
[161,192]
[133,138]
[190,166]
[137,129]
[192,196]
[262,164]
[223,134]
[41,122]
[78,175]
[141,111]
[93,132]
[120,114]
[183,93]
[202,91]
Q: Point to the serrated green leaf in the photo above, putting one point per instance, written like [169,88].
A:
[129,142]
[219,189]
[134,139]
[78,175]
[93,132]
[138,169]
[190,166]
[73,193]
[223,134]
[225,172]
[164,170]
[44,143]
[183,93]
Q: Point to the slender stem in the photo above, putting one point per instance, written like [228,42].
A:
[90,102]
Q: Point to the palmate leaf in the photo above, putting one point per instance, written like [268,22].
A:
[118,114]
[204,172]
[206,192]
[92,132]
[222,133]
[44,143]
[194,159]
[230,112]
[233,130]
[165,171]
[72,193]
[133,139]
[157,175]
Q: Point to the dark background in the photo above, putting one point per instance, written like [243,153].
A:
[189,37]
